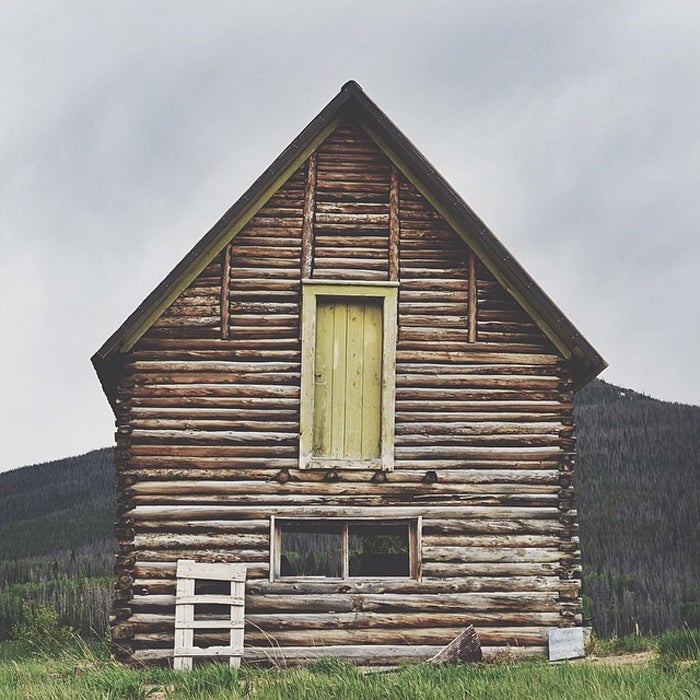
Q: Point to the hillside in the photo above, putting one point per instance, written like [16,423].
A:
[56,539]
[64,505]
[638,485]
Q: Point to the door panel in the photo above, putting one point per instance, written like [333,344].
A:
[347,381]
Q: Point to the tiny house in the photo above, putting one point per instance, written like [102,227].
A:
[352,388]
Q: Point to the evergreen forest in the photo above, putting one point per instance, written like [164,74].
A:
[638,498]
[638,492]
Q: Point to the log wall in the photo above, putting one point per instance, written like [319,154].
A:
[208,414]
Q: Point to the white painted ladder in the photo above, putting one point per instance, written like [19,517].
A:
[185,600]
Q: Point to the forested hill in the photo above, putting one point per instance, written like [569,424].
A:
[638,486]
[62,506]
[638,493]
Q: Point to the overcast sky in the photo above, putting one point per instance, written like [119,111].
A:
[128,128]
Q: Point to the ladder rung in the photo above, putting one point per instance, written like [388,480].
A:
[208,651]
[209,600]
[210,625]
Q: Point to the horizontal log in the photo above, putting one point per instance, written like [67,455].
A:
[205,541]
[328,220]
[322,488]
[185,512]
[260,557]
[304,500]
[163,581]
[247,470]
[470,438]
[555,420]
[166,321]
[235,451]
[243,409]
[166,571]
[272,622]
[440,569]
[223,377]
[482,368]
[214,467]
[476,555]
[404,406]
[351,208]
[481,429]
[215,436]
[484,461]
[290,656]
[257,411]
[493,541]
[518,636]
[458,394]
[372,655]
[240,527]
[477,381]
[170,424]
[232,367]
[521,636]
[430,344]
[217,390]
[350,274]
[461,603]
[479,354]
[456,451]
[542,600]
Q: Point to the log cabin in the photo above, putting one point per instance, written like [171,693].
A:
[351,387]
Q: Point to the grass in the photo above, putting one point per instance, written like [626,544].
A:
[680,644]
[628,644]
[85,672]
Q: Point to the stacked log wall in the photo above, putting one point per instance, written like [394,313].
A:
[209,414]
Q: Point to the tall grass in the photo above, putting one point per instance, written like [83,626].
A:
[82,603]
[680,644]
[94,677]
[627,644]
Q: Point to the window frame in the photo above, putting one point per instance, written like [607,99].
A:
[415,551]
[387,293]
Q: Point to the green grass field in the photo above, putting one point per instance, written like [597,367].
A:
[85,672]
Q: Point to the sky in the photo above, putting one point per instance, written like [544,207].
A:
[128,128]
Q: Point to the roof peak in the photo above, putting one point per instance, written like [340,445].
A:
[352,86]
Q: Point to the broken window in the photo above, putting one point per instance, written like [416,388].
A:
[346,549]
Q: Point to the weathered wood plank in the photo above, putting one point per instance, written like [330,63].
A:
[307,231]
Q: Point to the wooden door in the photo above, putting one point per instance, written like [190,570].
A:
[348,378]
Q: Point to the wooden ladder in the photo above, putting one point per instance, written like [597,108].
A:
[185,600]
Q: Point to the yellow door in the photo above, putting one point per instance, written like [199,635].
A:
[347,378]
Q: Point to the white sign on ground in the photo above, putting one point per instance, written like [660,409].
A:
[566,643]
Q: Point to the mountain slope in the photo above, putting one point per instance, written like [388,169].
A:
[67,504]
[638,489]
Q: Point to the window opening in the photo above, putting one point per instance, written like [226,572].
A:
[338,549]
[378,549]
[311,549]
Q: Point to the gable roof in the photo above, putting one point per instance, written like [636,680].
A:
[352,103]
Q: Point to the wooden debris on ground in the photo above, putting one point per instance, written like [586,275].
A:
[464,647]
